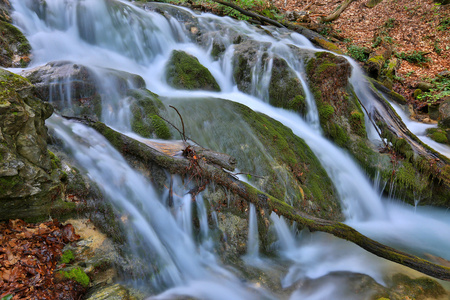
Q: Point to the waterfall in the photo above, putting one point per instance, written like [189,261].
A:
[115,35]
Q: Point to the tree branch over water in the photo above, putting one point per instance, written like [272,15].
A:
[205,170]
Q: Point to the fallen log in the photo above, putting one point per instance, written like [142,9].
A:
[199,169]
[250,14]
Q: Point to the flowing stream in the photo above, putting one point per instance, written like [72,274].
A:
[115,35]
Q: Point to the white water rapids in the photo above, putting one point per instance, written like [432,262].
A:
[115,35]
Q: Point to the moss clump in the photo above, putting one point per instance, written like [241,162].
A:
[357,123]
[325,112]
[67,257]
[56,162]
[297,103]
[438,135]
[325,65]
[417,93]
[185,72]
[161,129]
[78,275]
[145,120]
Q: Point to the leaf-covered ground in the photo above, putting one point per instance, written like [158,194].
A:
[405,25]
[30,261]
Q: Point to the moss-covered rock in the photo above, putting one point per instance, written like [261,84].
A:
[184,71]
[14,46]
[282,163]
[438,135]
[29,182]
[342,120]
[145,120]
[285,89]
[340,114]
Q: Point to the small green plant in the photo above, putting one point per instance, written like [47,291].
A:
[441,89]
[444,24]
[358,53]
[67,257]
[7,297]
[325,31]
[415,57]
[389,23]
[409,74]
[436,47]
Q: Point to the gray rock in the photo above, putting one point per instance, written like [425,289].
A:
[444,114]
[27,183]
[424,86]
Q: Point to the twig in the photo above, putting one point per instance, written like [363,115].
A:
[182,123]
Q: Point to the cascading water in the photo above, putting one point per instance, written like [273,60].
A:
[111,34]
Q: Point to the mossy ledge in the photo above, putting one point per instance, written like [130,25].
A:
[179,165]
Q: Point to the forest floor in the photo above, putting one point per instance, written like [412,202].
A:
[405,25]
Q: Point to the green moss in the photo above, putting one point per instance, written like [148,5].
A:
[185,72]
[379,59]
[145,120]
[56,162]
[161,129]
[7,183]
[417,92]
[357,123]
[325,65]
[78,275]
[407,177]
[325,112]
[325,44]
[285,90]
[437,135]
[306,171]
[418,288]
[67,257]
[338,135]
[297,103]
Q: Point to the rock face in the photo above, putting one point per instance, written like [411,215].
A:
[15,48]
[285,89]
[444,114]
[185,72]
[27,177]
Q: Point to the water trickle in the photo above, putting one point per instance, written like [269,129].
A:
[253,238]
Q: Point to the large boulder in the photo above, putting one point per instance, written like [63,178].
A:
[29,179]
[76,90]
[184,71]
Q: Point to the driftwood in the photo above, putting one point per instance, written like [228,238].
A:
[250,14]
[338,12]
[199,169]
